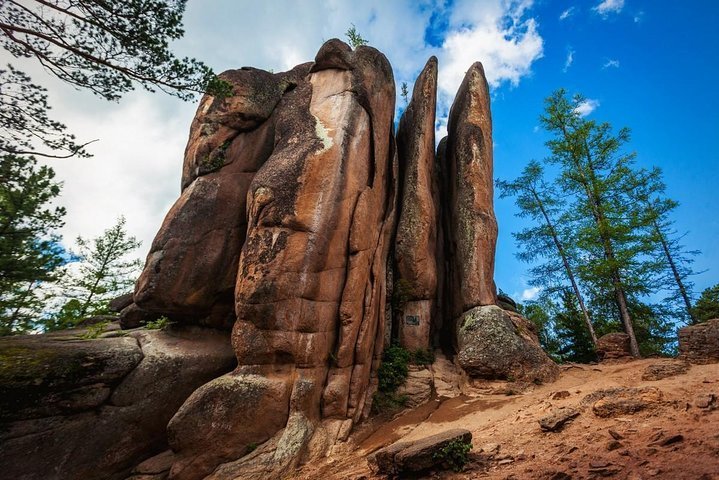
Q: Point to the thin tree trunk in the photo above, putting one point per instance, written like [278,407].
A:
[675,273]
[594,199]
[567,267]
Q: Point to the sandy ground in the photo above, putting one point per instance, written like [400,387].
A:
[671,439]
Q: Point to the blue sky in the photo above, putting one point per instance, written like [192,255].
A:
[649,65]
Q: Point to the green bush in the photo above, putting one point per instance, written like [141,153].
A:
[422,356]
[94,331]
[159,324]
[391,375]
[455,454]
[394,369]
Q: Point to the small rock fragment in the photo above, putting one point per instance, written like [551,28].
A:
[613,445]
[659,371]
[615,435]
[706,401]
[557,418]
[560,395]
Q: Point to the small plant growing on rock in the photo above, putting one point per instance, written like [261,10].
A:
[94,331]
[391,375]
[422,356]
[401,294]
[159,324]
[455,455]
[354,37]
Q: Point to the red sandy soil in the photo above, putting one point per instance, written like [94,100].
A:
[672,439]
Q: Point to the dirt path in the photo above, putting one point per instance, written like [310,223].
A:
[672,439]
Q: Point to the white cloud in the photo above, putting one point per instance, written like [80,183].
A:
[639,16]
[587,107]
[568,62]
[611,63]
[530,293]
[495,33]
[606,7]
[566,13]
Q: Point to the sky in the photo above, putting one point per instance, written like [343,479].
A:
[648,65]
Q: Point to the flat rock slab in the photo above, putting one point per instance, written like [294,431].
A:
[557,418]
[612,402]
[659,371]
[417,455]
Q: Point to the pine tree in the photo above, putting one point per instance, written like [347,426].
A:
[608,223]
[707,307]
[30,254]
[102,272]
[676,267]
[104,47]
[546,241]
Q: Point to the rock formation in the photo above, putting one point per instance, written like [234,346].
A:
[290,188]
[700,343]
[303,228]
[416,246]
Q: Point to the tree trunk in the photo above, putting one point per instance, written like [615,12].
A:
[675,273]
[567,268]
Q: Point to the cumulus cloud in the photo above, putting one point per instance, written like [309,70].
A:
[611,63]
[606,7]
[586,107]
[566,13]
[568,62]
[530,293]
[496,33]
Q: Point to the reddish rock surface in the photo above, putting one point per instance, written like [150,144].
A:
[415,246]
[473,228]
[92,409]
[614,347]
[309,293]
[700,343]
[191,270]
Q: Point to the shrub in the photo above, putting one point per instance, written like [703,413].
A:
[422,356]
[455,454]
[94,331]
[391,375]
[159,324]
[394,369]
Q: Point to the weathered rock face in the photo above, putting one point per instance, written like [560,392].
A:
[700,343]
[191,270]
[614,347]
[92,409]
[310,293]
[497,344]
[415,246]
[473,228]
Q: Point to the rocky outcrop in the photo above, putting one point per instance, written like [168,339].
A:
[614,347]
[473,228]
[613,402]
[415,247]
[700,343]
[309,293]
[496,344]
[191,270]
[80,408]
